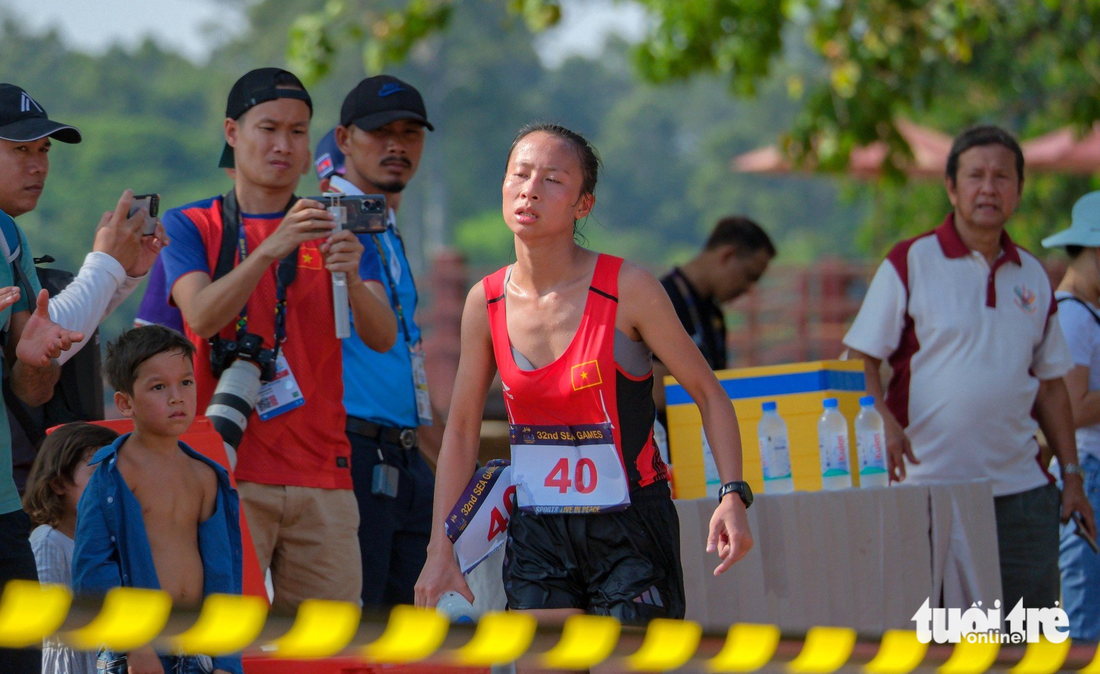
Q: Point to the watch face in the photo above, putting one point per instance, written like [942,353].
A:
[742,489]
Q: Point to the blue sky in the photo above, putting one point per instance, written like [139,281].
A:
[190,26]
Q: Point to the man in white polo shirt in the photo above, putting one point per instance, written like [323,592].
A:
[964,318]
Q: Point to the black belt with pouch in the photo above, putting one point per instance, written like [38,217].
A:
[405,438]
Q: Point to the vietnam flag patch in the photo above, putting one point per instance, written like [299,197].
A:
[309,258]
[586,375]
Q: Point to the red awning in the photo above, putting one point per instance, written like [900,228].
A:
[1060,151]
[929,147]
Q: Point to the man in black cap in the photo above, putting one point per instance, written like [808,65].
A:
[252,274]
[381,137]
[36,344]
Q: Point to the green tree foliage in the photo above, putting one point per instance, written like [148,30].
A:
[880,58]
[1030,66]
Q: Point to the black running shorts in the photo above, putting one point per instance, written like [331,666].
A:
[624,564]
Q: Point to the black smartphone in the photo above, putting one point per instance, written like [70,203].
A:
[1083,533]
[360,214]
[151,204]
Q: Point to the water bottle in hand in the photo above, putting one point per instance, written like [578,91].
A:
[457,608]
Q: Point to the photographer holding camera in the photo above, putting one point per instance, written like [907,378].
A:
[252,274]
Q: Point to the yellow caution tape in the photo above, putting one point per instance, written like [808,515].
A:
[130,618]
[1094,666]
[227,624]
[30,612]
[412,634]
[321,629]
[500,638]
[1042,657]
[586,641]
[668,645]
[970,658]
[825,651]
[900,652]
[748,648]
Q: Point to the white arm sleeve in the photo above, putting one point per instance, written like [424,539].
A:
[99,287]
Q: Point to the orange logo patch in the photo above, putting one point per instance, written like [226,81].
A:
[586,375]
[309,258]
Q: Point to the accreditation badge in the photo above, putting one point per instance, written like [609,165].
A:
[281,394]
[420,385]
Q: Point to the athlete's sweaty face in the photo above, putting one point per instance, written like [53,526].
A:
[542,188]
[271,143]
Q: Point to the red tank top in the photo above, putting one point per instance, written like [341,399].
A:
[585,386]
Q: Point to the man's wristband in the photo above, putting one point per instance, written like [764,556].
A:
[1072,469]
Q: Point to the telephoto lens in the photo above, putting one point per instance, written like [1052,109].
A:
[236,394]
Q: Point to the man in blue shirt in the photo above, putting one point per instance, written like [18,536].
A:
[381,137]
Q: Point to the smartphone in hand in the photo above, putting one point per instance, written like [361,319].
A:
[1083,533]
[360,214]
[151,204]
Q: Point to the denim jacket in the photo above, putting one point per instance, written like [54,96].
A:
[113,550]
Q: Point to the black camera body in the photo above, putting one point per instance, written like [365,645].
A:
[248,347]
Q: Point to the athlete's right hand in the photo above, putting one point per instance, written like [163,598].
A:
[305,221]
[440,574]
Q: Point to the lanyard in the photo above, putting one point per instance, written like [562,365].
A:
[284,275]
[393,286]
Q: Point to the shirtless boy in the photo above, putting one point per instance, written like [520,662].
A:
[156,514]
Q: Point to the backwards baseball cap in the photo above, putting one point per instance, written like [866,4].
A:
[379,100]
[260,86]
[328,159]
[22,119]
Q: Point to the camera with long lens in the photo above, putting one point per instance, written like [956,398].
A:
[240,367]
[234,399]
[248,346]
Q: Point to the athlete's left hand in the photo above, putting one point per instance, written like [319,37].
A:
[729,532]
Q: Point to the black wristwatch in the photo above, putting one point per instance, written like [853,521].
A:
[742,489]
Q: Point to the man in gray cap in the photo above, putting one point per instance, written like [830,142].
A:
[36,341]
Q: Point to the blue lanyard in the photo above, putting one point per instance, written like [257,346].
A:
[393,286]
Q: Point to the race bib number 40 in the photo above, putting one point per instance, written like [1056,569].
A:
[568,469]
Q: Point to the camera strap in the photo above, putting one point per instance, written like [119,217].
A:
[233,237]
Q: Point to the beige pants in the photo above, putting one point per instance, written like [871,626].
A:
[308,537]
